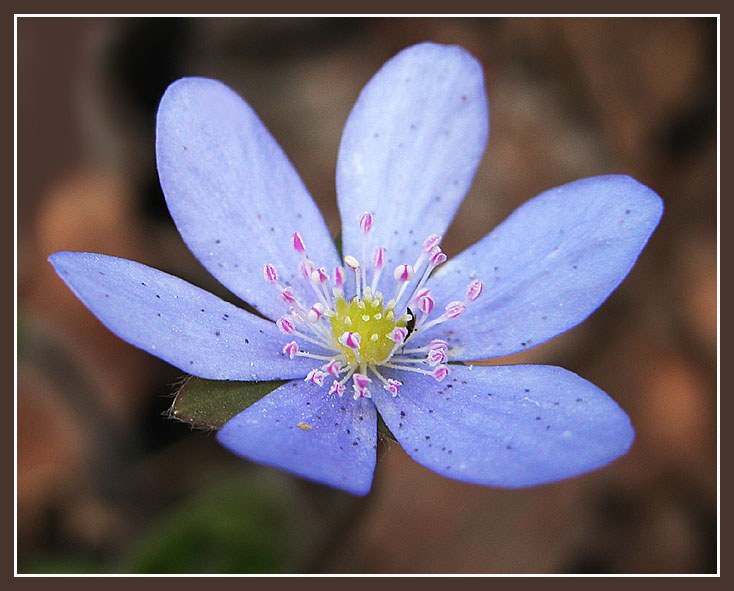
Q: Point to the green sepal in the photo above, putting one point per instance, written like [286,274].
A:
[383,429]
[208,404]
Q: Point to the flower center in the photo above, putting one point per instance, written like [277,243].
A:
[367,317]
[365,334]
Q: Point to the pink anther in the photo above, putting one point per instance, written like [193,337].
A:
[291,349]
[306,267]
[454,310]
[425,303]
[285,325]
[360,383]
[438,344]
[337,387]
[361,380]
[316,376]
[403,273]
[440,372]
[398,334]
[319,275]
[436,356]
[351,340]
[333,367]
[270,274]
[474,290]
[432,241]
[316,312]
[437,257]
[393,386]
[365,222]
[298,244]
[339,277]
[287,295]
[351,262]
[378,258]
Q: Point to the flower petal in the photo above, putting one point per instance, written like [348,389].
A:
[507,426]
[176,321]
[410,148]
[547,267]
[302,429]
[235,197]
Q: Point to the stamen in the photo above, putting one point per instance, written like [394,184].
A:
[298,244]
[316,376]
[285,325]
[337,387]
[403,274]
[339,281]
[440,372]
[353,264]
[435,357]
[365,225]
[386,328]
[432,241]
[270,274]
[389,384]
[316,312]
[351,340]
[333,368]
[291,349]
[378,262]
[474,290]
[360,383]
[398,334]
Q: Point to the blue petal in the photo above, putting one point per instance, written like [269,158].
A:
[235,197]
[186,326]
[506,426]
[304,430]
[547,267]
[410,149]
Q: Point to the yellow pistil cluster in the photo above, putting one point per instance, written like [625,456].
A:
[367,317]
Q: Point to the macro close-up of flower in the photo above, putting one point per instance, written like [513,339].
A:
[379,323]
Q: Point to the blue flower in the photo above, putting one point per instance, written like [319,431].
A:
[353,340]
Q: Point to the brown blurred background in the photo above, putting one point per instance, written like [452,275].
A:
[107,483]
